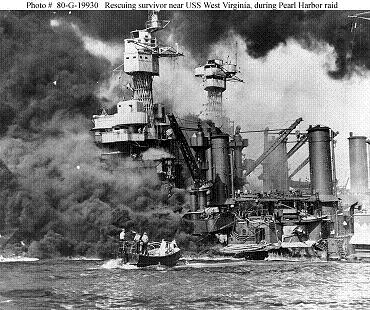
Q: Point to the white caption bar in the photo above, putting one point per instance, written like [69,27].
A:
[183,5]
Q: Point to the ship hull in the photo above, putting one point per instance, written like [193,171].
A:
[169,260]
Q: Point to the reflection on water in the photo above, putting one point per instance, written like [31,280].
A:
[202,284]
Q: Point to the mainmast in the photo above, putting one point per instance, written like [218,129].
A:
[215,73]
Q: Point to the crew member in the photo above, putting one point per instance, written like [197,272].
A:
[122,235]
[124,245]
[163,248]
[125,252]
[137,242]
[145,241]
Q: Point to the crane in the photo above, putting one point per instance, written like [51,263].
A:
[297,146]
[302,140]
[303,164]
[282,136]
[195,171]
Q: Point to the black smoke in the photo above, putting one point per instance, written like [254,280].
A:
[265,30]
[55,190]
[44,73]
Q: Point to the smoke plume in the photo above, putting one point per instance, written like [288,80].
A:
[310,64]
[51,77]
[262,31]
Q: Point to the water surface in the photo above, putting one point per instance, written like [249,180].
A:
[201,284]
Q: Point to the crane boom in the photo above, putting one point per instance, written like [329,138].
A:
[304,163]
[294,149]
[189,158]
[297,146]
[282,136]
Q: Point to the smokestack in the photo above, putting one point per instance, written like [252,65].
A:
[320,160]
[221,166]
[358,164]
[199,143]
[194,203]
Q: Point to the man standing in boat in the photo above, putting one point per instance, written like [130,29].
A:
[123,245]
[137,242]
[144,240]
[122,235]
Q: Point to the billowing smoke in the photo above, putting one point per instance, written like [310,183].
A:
[51,82]
[310,64]
[292,82]
[263,31]
[46,74]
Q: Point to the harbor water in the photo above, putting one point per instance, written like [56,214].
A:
[193,284]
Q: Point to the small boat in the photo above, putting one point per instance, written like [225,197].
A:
[168,260]
[248,251]
[155,256]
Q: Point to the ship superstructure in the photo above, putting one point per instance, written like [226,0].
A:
[215,73]
[139,123]
[279,220]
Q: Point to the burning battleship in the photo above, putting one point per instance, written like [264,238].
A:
[288,217]
[139,123]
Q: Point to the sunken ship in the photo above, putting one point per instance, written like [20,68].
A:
[292,218]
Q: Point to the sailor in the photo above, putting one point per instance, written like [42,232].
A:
[145,240]
[137,242]
[162,248]
[124,245]
[125,251]
[122,235]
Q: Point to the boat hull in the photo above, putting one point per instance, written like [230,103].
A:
[167,260]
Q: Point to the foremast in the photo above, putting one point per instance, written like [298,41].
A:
[141,61]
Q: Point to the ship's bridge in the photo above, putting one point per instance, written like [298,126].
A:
[130,123]
[130,112]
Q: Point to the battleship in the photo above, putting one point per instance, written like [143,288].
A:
[140,123]
[294,218]
[258,172]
